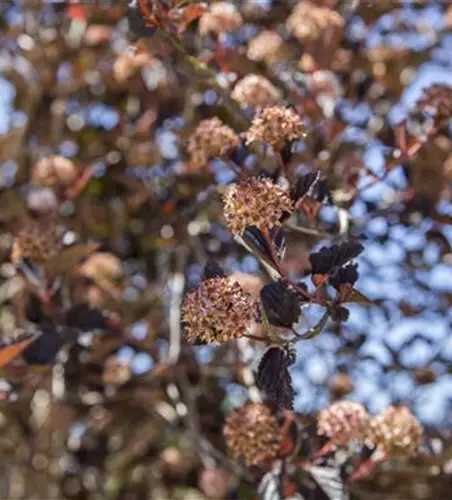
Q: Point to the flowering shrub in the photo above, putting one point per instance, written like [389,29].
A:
[218,220]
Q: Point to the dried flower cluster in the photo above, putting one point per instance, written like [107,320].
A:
[396,431]
[222,17]
[275,126]
[103,268]
[211,138]
[344,421]
[38,241]
[255,202]
[437,100]
[308,21]
[54,170]
[265,47]
[255,91]
[251,433]
[217,310]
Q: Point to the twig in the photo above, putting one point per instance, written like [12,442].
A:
[177,284]
[207,76]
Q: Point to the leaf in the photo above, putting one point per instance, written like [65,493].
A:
[273,376]
[213,270]
[69,257]
[85,318]
[356,297]
[136,16]
[188,14]
[327,259]
[44,349]
[270,486]
[281,304]
[330,481]
[254,241]
[10,349]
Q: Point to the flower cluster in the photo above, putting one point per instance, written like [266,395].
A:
[255,91]
[251,433]
[265,47]
[211,138]
[38,241]
[396,431]
[255,202]
[275,126]
[54,170]
[308,21]
[217,310]
[222,17]
[344,421]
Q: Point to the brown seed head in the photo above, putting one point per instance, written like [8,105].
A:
[52,171]
[275,125]
[222,17]
[255,202]
[251,432]
[343,421]
[255,90]
[38,241]
[265,47]
[396,431]
[217,310]
[438,100]
[211,138]
[308,21]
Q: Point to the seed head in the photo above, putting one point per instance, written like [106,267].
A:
[38,241]
[396,431]
[343,421]
[52,171]
[217,310]
[254,91]
[265,47]
[222,17]
[251,432]
[308,21]
[275,126]
[255,202]
[438,100]
[211,138]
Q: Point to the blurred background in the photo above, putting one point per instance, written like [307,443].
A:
[109,420]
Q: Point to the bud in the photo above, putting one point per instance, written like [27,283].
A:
[38,241]
[255,202]
[343,421]
[396,431]
[254,91]
[222,17]
[217,310]
[211,138]
[251,433]
[265,47]
[275,126]
[52,171]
